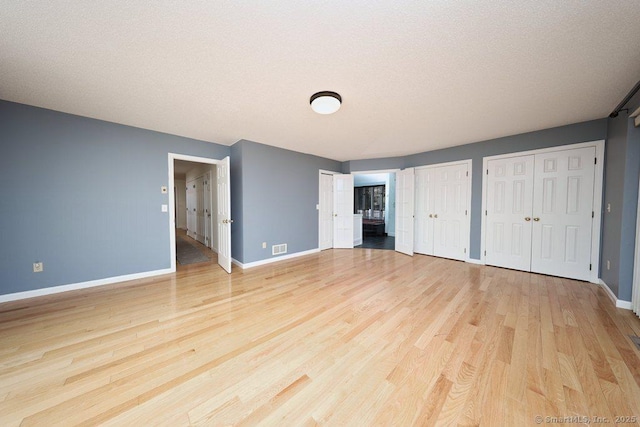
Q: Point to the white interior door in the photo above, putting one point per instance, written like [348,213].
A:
[326,211]
[191,209]
[207,210]
[405,187]
[223,216]
[509,206]
[562,213]
[450,211]
[424,208]
[200,216]
[343,211]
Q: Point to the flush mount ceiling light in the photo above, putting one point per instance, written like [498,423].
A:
[325,102]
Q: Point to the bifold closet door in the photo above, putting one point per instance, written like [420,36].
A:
[562,213]
[509,206]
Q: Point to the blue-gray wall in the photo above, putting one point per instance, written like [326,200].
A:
[279,191]
[622,172]
[83,197]
[579,132]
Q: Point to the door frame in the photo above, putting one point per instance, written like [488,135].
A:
[597,197]
[172,212]
[469,163]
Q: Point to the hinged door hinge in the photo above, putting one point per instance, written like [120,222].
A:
[467,173]
[595,161]
[593,214]
[485,253]
[589,267]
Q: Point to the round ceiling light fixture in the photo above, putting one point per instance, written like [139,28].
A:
[325,102]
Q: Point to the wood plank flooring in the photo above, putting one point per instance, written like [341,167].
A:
[342,338]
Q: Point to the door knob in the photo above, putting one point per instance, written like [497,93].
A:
[230,221]
[536,219]
[528,218]
[435,215]
[430,216]
[224,221]
[335,214]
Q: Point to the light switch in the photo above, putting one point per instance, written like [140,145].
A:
[165,208]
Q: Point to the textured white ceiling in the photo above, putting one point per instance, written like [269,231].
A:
[414,75]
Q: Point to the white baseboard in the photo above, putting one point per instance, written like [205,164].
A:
[82,285]
[474,261]
[617,302]
[276,259]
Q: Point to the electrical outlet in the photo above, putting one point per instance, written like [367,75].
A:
[38,267]
[264,245]
[608,207]
[608,265]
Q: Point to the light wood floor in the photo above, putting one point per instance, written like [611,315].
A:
[343,337]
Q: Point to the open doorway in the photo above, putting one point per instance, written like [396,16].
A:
[199,200]
[374,202]
[194,203]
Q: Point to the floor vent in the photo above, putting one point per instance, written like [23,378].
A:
[636,340]
[279,249]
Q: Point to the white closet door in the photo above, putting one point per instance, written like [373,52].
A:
[405,193]
[326,211]
[509,212]
[562,213]
[450,211]
[200,216]
[343,211]
[424,208]
[223,216]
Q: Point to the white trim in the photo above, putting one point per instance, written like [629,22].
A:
[454,163]
[272,260]
[619,303]
[597,197]
[474,261]
[172,210]
[375,172]
[469,163]
[82,285]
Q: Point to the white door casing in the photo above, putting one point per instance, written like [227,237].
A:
[405,192]
[508,213]
[326,211]
[223,197]
[223,216]
[342,211]
[562,213]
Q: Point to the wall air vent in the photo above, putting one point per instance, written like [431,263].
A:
[279,249]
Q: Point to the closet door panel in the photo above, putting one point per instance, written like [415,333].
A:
[450,213]
[423,241]
[509,208]
[562,213]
